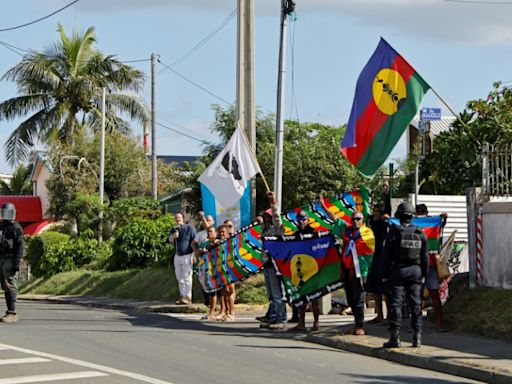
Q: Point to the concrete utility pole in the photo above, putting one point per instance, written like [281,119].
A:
[287,8]
[154,172]
[245,79]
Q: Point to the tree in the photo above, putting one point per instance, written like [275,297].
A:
[60,93]
[456,161]
[312,159]
[20,184]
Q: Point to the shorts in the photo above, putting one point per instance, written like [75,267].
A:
[432,281]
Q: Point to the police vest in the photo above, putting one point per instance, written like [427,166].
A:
[410,245]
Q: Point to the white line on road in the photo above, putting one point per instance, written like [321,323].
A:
[114,371]
[24,360]
[51,377]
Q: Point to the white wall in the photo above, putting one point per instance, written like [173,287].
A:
[497,245]
[41,190]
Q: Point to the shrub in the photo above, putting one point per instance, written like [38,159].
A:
[141,243]
[46,254]
[123,211]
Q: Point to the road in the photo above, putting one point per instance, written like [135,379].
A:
[57,343]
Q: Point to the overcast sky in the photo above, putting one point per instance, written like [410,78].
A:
[460,49]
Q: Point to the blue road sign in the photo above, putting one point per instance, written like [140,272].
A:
[431,114]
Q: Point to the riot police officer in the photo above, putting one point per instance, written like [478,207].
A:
[12,245]
[404,265]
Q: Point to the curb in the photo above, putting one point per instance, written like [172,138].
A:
[405,357]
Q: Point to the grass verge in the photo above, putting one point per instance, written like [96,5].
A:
[145,284]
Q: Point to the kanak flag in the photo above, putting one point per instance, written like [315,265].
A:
[388,94]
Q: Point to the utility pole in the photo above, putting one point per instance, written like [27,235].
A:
[246,114]
[287,8]
[102,165]
[154,172]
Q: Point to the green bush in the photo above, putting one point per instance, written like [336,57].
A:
[141,243]
[46,254]
[123,211]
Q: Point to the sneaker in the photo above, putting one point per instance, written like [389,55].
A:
[179,301]
[277,326]
[186,300]
[358,331]
[10,317]
[262,319]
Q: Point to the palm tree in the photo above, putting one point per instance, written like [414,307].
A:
[60,92]
[20,184]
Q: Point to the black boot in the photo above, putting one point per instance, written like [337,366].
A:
[416,340]
[394,339]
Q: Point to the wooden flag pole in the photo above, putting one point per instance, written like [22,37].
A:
[253,156]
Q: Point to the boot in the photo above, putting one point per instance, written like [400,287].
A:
[394,339]
[416,340]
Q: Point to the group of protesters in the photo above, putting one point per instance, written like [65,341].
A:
[390,262]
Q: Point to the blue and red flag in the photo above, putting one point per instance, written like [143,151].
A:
[388,95]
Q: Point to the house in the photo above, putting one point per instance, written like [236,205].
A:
[41,172]
[179,161]
[432,129]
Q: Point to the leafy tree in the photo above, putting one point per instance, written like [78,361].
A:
[20,184]
[60,93]
[312,162]
[456,161]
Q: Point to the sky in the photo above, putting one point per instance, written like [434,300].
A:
[459,48]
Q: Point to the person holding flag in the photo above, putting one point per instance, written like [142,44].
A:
[357,254]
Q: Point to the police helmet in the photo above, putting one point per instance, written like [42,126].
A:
[8,212]
[405,211]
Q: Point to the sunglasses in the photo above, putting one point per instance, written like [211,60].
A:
[302,218]
[356,219]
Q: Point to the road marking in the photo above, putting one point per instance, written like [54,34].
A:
[24,360]
[51,377]
[114,371]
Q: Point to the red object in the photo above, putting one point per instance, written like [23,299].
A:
[28,208]
[35,228]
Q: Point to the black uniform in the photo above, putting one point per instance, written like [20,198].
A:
[12,245]
[404,264]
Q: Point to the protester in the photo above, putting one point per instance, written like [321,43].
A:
[231,227]
[212,297]
[228,292]
[357,254]
[182,236]
[432,280]
[303,228]
[404,264]
[275,318]
[379,225]
[200,238]
[12,246]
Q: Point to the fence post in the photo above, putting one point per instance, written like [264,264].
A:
[473,206]
[485,169]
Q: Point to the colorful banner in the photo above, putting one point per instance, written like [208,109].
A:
[240,256]
[309,266]
[388,95]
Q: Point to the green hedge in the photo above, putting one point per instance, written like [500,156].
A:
[46,254]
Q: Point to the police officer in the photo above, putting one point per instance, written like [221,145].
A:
[12,245]
[404,265]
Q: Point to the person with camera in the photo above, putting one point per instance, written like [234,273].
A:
[12,246]
[182,236]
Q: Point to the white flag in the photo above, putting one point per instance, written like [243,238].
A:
[226,177]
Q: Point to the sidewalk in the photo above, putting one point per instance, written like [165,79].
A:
[472,357]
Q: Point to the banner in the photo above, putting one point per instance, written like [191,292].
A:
[241,256]
[309,266]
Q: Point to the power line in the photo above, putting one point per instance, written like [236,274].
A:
[40,19]
[181,133]
[194,83]
[205,39]
[480,2]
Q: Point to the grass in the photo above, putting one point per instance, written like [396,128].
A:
[480,311]
[144,284]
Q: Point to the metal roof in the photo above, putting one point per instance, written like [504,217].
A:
[436,126]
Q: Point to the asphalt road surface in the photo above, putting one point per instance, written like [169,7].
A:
[57,343]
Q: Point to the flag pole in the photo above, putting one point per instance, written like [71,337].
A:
[253,156]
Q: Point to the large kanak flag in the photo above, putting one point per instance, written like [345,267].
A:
[227,176]
[388,95]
